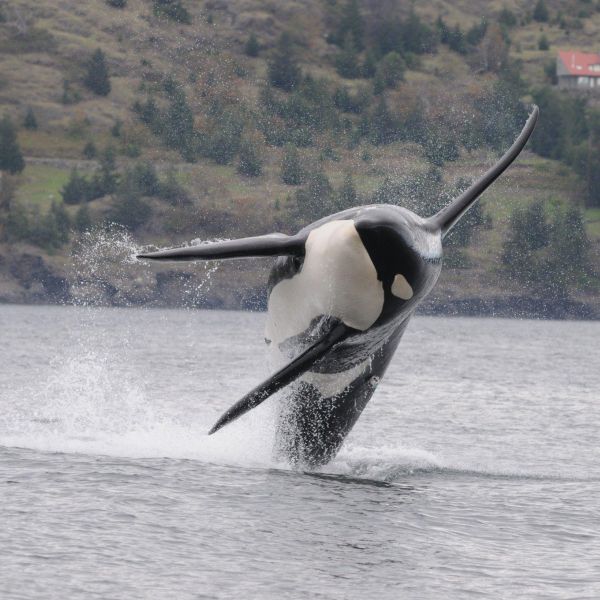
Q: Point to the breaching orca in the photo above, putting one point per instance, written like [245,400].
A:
[341,293]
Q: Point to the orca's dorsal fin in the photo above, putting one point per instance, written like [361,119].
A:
[273,244]
[446,218]
[284,376]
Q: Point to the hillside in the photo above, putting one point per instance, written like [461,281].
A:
[191,96]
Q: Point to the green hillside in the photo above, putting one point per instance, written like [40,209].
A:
[208,119]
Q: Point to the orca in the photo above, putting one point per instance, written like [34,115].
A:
[340,295]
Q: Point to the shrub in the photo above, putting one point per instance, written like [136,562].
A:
[117,3]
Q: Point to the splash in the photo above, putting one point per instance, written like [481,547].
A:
[104,266]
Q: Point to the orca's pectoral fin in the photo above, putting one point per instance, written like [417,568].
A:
[274,244]
[284,376]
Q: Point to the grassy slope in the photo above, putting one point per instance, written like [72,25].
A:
[133,35]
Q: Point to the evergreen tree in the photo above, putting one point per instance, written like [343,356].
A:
[369,66]
[171,190]
[76,190]
[115,130]
[283,70]
[292,172]
[543,44]
[569,247]
[173,10]
[83,219]
[128,208]
[476,33]
[528,233]
[106,177]
[251,162]
[443,30]
[316,200]
[225,138]
[30,122]
[507,17]
[252,47]
[62,222]
[96,78]
[178,125]
[146,179]
[11,158]
[548,138]
[90,151]
[346,195]
[17,226]
[456,40]
[383,126]
[592,166]
[351,24]
[540,12]
[69,95]
[346,62]
[391,69]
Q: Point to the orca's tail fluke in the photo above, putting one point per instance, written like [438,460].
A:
[274,244]
[446,218]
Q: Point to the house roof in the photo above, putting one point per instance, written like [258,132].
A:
[581,63]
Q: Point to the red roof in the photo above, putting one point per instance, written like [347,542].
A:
[581,63]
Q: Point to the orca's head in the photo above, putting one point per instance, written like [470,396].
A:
[406,253]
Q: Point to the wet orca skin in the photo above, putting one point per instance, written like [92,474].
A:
[341,293]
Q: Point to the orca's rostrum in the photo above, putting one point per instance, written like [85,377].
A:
[340,296]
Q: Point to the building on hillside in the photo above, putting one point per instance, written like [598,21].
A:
[578,70]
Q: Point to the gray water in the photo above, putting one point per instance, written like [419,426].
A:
[473,473]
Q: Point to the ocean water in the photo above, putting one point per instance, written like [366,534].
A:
[473,473]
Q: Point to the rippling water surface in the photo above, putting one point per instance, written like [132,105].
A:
[474,471]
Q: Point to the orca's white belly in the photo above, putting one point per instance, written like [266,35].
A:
[337,279]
